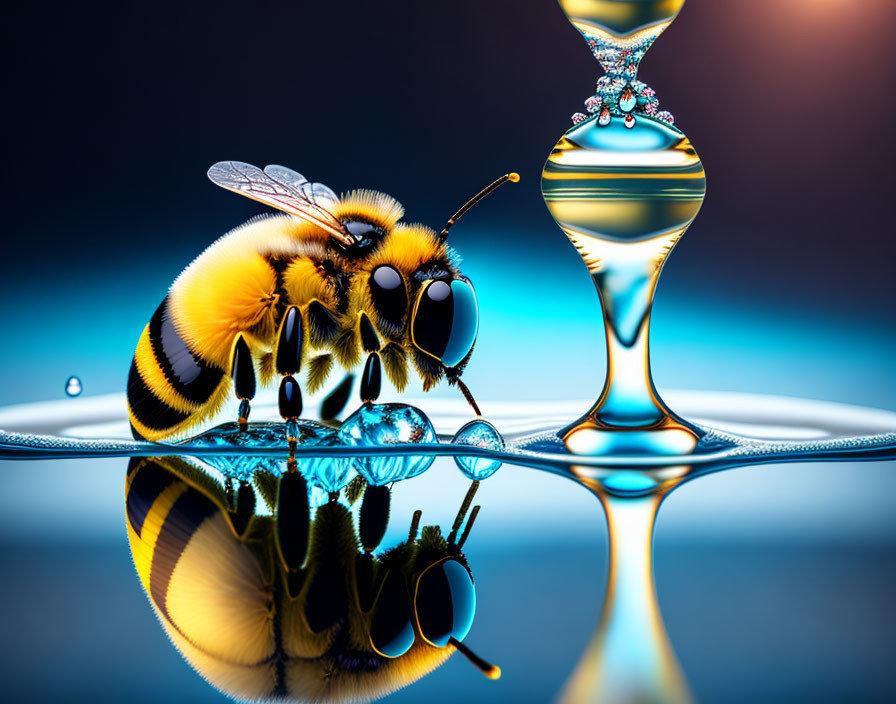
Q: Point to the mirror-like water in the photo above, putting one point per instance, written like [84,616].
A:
[260,544]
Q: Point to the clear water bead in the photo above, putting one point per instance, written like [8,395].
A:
[329,474]
[478,433]
[73,387]
[257,435]
[388,424]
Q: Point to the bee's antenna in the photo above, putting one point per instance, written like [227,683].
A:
[512,177]
[466,533]
[415,525]
[469,396]
[493,672]
[464,507]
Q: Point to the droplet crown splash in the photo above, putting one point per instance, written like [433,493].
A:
[624,190]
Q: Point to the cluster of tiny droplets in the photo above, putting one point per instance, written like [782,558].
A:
[619,92]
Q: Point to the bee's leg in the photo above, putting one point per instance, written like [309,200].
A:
[228,492]
[244,506]
[335,401]
[374,517]
[243,379]
[293,521]
[288,361]
[372,378]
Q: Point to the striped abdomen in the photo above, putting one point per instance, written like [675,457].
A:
[170,388]
[206,585]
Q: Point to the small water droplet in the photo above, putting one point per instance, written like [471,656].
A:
[388,424]
[73,386]
[629,121]
[628,100]
[478,433]
[604,118]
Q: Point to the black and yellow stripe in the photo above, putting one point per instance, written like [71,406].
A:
[219,594]
[170,388]
[209,590]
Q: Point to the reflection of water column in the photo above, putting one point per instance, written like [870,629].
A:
[624,185]
[629,659]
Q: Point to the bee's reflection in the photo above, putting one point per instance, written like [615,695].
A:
[286,606]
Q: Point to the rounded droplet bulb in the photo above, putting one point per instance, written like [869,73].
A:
[73,387]
[388,424]
[478,433]
[623,184]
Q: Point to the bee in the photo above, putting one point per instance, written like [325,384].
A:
[288,607]
[313,286]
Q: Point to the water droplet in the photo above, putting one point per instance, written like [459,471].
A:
[628,100]
[478,433]
[264,434]
[604,118]
[388,424]
[629,121]
[73,386]
[330,474]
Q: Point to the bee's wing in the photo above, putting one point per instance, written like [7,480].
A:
[317,193]
[252,182]
[291,178]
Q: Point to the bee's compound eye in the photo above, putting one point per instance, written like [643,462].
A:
[363,232]
[446,320]
[386,278]
[388,293]
[445,602]
[391,629]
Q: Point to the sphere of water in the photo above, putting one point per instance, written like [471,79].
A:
[73,387]
[478,433]
[388,424]
[622,184]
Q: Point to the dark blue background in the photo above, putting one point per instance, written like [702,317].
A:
[779,586]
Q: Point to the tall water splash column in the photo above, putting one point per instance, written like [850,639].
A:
[624,184]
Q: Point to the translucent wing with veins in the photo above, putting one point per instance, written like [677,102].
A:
[317,193]
[308,201]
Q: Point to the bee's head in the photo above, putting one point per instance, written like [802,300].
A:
[427,598]
[432,603]
[445,320]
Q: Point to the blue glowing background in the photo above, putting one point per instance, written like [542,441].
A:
[775,582]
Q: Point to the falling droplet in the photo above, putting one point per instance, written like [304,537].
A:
[604,118]
[482,434]
[73,386]
[629,121]
[627,101]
